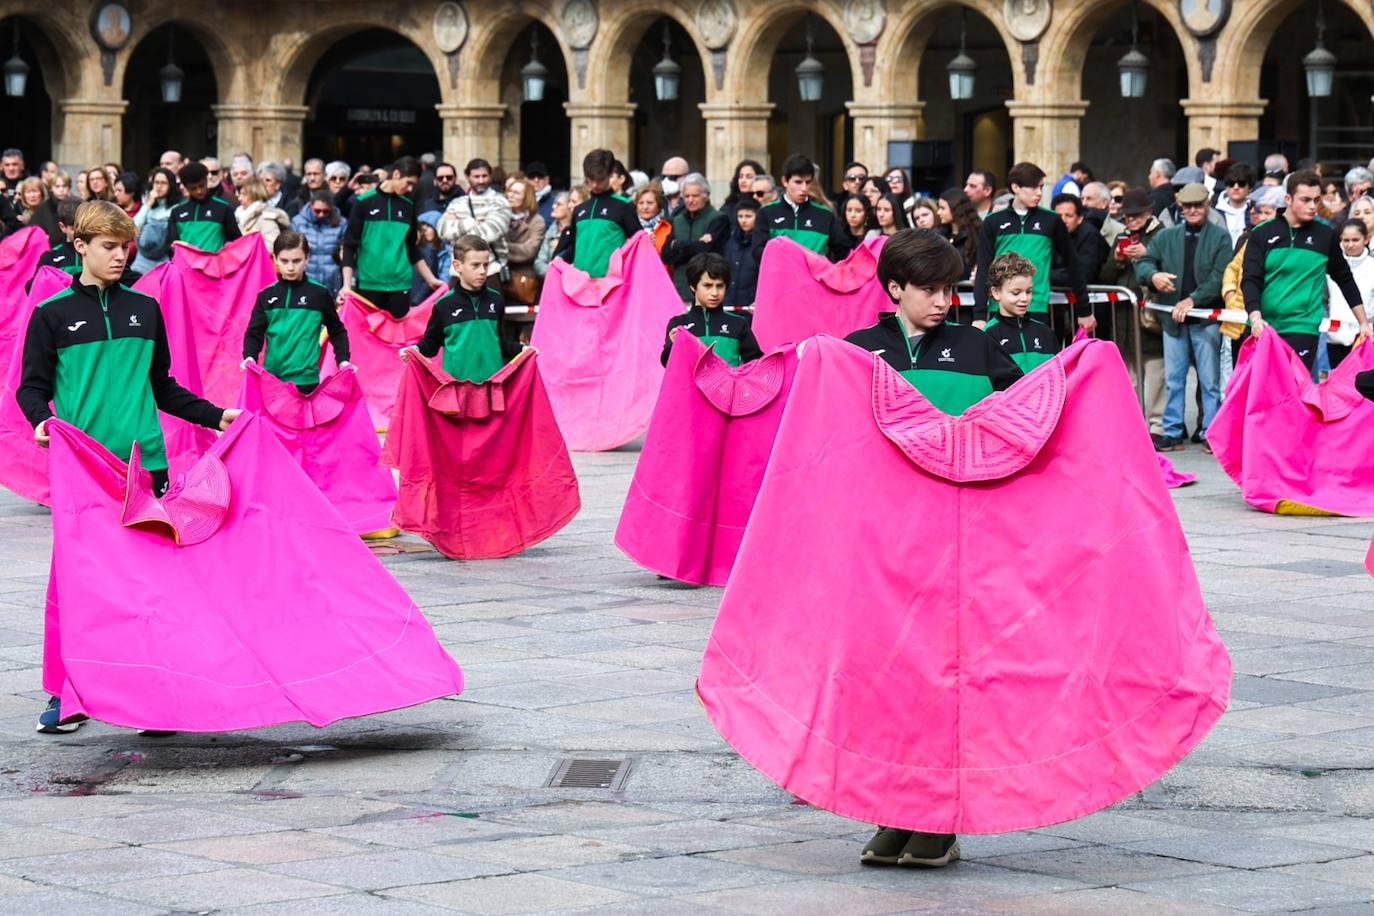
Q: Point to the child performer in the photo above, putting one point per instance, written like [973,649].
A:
[731,333]
[468,323]
[1011,283]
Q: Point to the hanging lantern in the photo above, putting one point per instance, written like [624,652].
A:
[810,73]
[1320,64]
[534,76]
[1134,66]
[667,73]
[963,70]
[171,75]
[16,71]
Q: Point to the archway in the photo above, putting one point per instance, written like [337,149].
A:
[819,129]
[535,130]
[668,128]
[372,99]
[152,125]
[29,119]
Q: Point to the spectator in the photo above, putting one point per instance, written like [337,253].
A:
[336,177]
[891,217]
[560,216]
[1275,168]
[620,180]
[873,189]
[98,185]
[854,176]
[1354,238]
[12,170]
[446,187]
[1265,202]
[1234,204]
[61,185]
[127,192]
[538,175]
[436,253]
[981,188]
[670,176]
[1362,209]
[925,213]
[29,198]
[1141,227]
[697,227]
[1207,159]
[1183,268]
[744,252]
[1097,203]
[219,183]
[483,212]
[312,180]
[649,204]
[899,185]
[323,227]
[1091,250]
[273,176]
[163,193]
[1332,206]
[960,223]
[742,185]
[523,238]
[1118,191]
[171,160]
[240,170]
[764,190]
[1358,182]
[256,214]
[859,222]
[1072,181]
[1161,185]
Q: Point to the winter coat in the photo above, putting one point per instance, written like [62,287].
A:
[263,219]
[324,240]
[523,240]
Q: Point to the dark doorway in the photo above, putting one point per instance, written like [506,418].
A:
[152,125]
[28,118]
[545,131]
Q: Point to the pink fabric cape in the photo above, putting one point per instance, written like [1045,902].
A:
[240,600]
[1294,447]
[24,468]
[206,301]
[331,436]
[1173,479]
[800,293]
[959,624]
[599,343]
[703,461]
[376,340]
[484,470]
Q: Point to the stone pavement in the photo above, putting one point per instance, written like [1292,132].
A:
[569,650]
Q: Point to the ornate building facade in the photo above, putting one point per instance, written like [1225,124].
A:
[285,80]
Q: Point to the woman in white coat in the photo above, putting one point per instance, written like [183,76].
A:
[1355,245]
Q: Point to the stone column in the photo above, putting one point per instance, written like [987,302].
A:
[262,131]
[1216,123]
[91,131]
[734,131]
[875,123]
[598,126]
[1046,133]
[471,132]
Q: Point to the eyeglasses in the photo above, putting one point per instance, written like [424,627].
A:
[213,172]
[1236,183]
[760,194]
[895,179]
[673,177]
[1202,206]
[1118,197]
[445,177]
[857,176]
[321,213]
[338,177]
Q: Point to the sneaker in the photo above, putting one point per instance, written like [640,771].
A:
[1169,443]
[929,850]
[886,847]
[1197,438]
[50,720]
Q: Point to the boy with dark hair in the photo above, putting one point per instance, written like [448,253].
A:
[1036,234]
[730,333]
[203,220]
[954,366]
[1028,342]
[64,256]
[468,324]
[743,251]
[796,216]
[288,316]
[97,352]
[601,223]
[379,247]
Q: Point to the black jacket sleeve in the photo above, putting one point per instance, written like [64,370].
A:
[39,368]
[256,332]
[352,238]
[170,397]
[1252,273]
[433,339]
[1002,369]
[510,344]
[231,232]
[1338,269]
[749,349]
[413,256]
[173,230]
[987,243]
[629,222]
[8,217]
[673,322]
[1063,247]
[567,243]
[338,334]
[838,247]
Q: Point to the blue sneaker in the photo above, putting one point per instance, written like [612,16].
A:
[50,720]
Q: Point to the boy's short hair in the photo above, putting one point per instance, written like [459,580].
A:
[102,217]
[290,240]
[407,166]
[1025,175]
[66,210]
[1006,266]
[193,173]
[467,243]
[747,203]
[707,264]
[918,256]
[597,164]
[1303,177]
[797,164]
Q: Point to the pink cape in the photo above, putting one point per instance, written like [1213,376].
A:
[599,343]
[1293,447]
[206,301]
[484,470]
[960,624]
[1173,479]
[240,600]
[331,436]
[703,461]
[800,293]
[376,340]
[25,466]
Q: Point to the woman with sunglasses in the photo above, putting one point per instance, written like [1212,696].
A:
[323,227]
[1118,191]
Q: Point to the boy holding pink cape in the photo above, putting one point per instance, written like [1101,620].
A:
[467,324]
[730,333]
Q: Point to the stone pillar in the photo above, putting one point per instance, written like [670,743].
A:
[262,131]
[1216,123]
[598,126]
[875,123]
[471,132]
[91,131]
[734,131]
[1046,133]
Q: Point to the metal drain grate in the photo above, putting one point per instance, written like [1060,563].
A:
[589,773]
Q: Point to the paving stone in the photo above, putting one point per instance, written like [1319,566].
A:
[103,866]
[265,848]
[1356,872]
[1240,850]
[388,868]
[165,825]
[694,836]
[820,898]
[1254,891]
[669,876]
[217,890]
[511,894]
[540,853]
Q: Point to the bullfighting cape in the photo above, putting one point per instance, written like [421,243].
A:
[241,599]
[484,470]
[24,463]
[801,293]
[703,461]
[599,342]
[960,624]
[332,438]
[1294,447]
[376,339]
[1173,478]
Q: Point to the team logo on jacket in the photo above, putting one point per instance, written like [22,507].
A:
[133,322]
[1037,343]
[373,212]
[272,301]
[75,327]
[808,224]
[946,356]
[1005,341]
[779,219]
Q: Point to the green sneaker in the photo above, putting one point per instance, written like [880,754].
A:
[929,850]
[886,847]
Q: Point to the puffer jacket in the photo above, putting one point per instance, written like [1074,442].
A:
[324,240]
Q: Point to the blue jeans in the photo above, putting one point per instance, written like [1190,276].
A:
[1199,345]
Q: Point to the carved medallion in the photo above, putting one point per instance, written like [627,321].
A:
[1204,17]
[1027,19]
[111,25]
[864,20]
[450,27]
[579,21]
[716,23]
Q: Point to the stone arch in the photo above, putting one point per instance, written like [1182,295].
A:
[63,45]
[302,52]
[905,37]
[1245,39]
[483,55]
[225,59]
[756,41]
[1064,46]
[611,53]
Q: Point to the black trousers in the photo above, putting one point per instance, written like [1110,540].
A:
[160,482]
[396,302]
[1305,345]
[1336,352]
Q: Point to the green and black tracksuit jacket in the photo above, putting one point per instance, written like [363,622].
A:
[1028,342]
[809,225]
[599,226]
[64,257]
[468,326]
[955,366]
[204,224]
[379,243]
[1037,236]
[288,316]
[1283,275]
[100,356]
[731,333]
